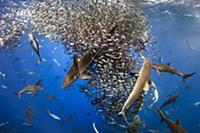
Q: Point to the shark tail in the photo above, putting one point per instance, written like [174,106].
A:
[161,115]
[123,115]
[41,60]
[17,94]
[185,76]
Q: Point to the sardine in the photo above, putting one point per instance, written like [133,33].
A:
[53,115]
[56,61]
[3,124]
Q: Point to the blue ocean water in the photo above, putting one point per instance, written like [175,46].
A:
[172,32]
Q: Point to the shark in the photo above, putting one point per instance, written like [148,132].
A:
[30,89]
[175,127]
[140,85]
[77,69]
[81,64]
[168,68]
[171,99]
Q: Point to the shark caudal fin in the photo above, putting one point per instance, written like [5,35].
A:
[40,60]
[185,76]
[123,115]
[17,94]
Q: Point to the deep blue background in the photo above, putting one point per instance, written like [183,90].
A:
[171,32]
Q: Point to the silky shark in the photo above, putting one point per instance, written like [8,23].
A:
[140,85]
[171,99]
[167,68]
[77,69]
[30,88]
[175,127]
[35,45]
[81,64]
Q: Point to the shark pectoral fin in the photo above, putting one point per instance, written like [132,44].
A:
[146,87]
[169,63]
[85,76]
[158,72]
[33,93]
[177,122]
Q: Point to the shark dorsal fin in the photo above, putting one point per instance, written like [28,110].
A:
[38,82]
[178,122]
[169,64]
[158,71]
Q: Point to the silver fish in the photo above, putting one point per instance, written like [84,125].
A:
[197,103]
[2,75]
[56,61]
[3,86]
[53,115]
[3,124]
